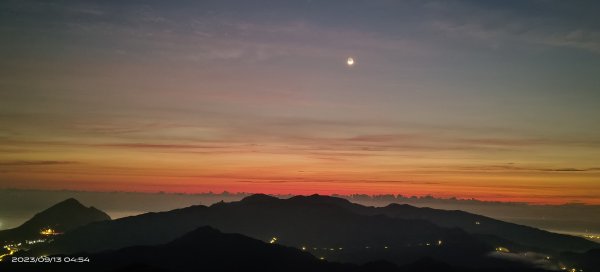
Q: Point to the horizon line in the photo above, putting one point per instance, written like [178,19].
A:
[372,197]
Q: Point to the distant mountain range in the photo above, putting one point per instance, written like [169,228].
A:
[60,218]
[331,228]
[531,238]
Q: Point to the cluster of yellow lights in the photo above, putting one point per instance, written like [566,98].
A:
[592,236]
[273,240]
[502,249]
[11,251]
[48,232]
[33,242]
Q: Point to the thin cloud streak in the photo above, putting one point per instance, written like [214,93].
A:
[35,163]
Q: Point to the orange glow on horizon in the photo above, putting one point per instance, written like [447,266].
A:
[273,169]
[526,194]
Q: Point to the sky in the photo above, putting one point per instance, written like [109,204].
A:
[494,100]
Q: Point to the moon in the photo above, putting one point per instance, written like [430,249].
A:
[350,61]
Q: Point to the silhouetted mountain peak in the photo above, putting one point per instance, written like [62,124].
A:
[63,216]
[73,208]
[399,205]
[199,234]
[321,199]
[413,208]
[70,203]
[259,198]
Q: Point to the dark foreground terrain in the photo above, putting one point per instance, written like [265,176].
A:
[207,249]
[306,233]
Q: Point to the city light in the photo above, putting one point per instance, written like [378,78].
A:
[11,250]
[502,249]
[33,242]
[273,240]
[48,232]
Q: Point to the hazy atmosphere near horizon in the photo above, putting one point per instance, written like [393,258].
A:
[17,206]
[493,100]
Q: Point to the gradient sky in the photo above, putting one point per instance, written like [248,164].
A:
[490,100]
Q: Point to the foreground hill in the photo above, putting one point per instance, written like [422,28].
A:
[62,217]
[207,249]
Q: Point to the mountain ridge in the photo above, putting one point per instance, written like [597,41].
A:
[324,225]
[61,217]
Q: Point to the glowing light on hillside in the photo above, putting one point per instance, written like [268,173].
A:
[11,250]
[48,232]
[502,249]
[273,240]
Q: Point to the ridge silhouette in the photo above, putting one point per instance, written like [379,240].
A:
[61,217]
